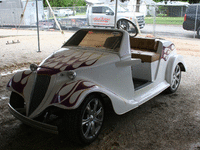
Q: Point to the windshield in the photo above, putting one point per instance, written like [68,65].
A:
[120,9]
[102,39]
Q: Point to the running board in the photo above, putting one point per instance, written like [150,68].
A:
[143,95]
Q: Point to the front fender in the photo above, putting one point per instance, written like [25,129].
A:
[72,94]
[173,61]
[19,82]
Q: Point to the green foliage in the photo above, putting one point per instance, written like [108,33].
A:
[64,3]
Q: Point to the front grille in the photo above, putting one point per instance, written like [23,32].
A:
[140,19]
[39,90]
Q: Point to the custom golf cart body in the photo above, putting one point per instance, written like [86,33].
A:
[109,63]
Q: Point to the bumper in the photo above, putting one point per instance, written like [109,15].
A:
[188,26]
[36,124]
[142,25]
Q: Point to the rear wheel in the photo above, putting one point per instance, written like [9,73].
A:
[176,79]
[83,125]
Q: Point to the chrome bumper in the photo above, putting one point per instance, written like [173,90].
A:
[36,124]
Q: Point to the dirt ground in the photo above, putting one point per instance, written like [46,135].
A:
[165,122]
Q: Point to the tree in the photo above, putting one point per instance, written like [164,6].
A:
[65,3]
[194,1]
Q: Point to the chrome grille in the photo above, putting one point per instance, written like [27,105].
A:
[39,90]
[140,19]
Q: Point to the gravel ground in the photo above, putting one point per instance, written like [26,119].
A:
[165,122]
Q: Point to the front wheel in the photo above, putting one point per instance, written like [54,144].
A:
[176,79]
[198,32]
[128,26]
[83,125]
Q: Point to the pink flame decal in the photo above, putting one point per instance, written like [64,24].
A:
[167,50]
[71,60]
[20,84]
[79,87]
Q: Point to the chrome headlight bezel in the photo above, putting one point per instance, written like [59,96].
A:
[71,74]
[33,67]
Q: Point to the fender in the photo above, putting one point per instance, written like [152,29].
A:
[127,19]
[71,95]
[173,61]
[19,81]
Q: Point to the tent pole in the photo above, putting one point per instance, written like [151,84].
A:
[115,23]
[38,26]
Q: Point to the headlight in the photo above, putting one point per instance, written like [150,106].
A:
[71,74]
[33,67]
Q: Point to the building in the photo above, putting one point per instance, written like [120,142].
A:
[12,10]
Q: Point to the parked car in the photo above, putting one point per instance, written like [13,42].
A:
[69,91]
[64,12]
[191,17]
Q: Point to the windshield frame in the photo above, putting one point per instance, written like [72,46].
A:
[110,44]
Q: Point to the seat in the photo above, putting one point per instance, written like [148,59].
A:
[145,49]
[145,56]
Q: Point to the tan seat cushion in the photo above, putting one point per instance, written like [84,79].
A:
[145,56]
[144,44]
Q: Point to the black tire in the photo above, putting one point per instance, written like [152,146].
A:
[175,80]
[16,101]
[123,24]
[198,32]
[128,26]
[84,124]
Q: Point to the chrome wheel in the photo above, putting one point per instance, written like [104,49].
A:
[123,24]
[176,78]
[128,26]
[92,118]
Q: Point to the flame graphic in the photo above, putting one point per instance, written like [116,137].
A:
[71,60]
[19,81]
[69,94]
[167,50]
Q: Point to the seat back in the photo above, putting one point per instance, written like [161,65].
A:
[144,44]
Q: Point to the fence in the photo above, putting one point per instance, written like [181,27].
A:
[158,18]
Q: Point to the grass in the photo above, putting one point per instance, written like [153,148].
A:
[79,13]
[165,20]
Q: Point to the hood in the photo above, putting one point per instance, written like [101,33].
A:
[73,58]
